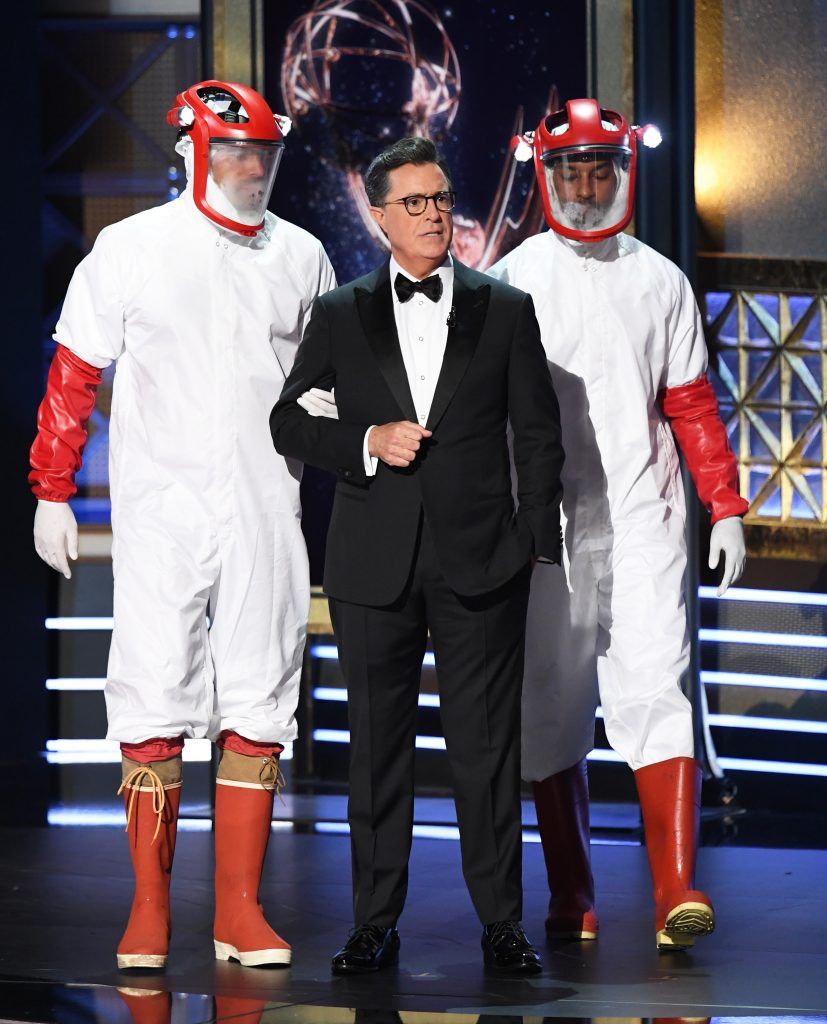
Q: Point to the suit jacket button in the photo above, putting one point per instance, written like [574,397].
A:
[348,474]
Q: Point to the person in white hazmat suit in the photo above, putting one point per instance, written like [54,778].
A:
[627,355]
[625,344]
[202,302]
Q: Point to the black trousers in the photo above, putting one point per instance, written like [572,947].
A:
[478,648]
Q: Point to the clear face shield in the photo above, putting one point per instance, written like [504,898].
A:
[241,177]
[588,191]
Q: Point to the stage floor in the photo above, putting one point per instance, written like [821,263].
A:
[65,896]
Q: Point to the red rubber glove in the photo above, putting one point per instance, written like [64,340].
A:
[55,456]
[692,411]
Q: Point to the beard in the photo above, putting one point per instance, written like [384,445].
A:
[585,216]
[246,198]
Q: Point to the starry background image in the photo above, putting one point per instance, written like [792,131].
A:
[509,56]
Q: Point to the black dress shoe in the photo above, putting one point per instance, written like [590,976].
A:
[369,948]
[505,947]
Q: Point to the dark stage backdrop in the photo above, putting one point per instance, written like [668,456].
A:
[354,75]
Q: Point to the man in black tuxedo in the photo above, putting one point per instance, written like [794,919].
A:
[430,361]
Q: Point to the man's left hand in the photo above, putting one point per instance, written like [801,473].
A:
[728,537]
[317,402]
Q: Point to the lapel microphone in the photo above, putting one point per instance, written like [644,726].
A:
[452,317]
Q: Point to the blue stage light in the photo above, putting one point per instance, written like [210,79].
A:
[336,694]
[769,596]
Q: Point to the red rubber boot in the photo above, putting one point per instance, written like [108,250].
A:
[562,802]
[670,801]
[243,813]
[152,823]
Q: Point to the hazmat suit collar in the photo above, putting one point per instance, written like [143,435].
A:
[604,251]
[215,233]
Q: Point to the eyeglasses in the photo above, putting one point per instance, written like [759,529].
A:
[415,205]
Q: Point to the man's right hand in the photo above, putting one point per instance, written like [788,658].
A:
[56,535]
[396,444]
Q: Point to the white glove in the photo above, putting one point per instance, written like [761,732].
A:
[728,537]
[56,535]
[319,403]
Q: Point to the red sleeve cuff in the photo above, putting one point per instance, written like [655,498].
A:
[692,411]
[56,453]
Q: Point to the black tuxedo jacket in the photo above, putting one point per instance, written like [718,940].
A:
[494,371]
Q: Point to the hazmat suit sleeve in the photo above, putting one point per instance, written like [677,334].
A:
[689,403]
[318,440]
[534,415]
[91,322]
[687,359]
[89,334]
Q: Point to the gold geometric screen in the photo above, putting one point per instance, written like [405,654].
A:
[769,351]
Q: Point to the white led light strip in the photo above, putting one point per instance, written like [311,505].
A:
[78,622]
[93,751]
[749,636]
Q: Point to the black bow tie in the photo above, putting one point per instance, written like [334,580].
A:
[405,287]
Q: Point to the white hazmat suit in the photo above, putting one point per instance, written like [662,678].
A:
[624,340]
[619,324]
[202,303]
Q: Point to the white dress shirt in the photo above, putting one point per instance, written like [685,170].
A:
[422,329]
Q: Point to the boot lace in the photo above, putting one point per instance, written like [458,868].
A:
[133,782]
[270,776]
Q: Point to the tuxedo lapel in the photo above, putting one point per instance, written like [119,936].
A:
[470,306]
[375,306]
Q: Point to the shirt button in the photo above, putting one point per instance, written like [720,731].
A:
[421,338]
[422,378]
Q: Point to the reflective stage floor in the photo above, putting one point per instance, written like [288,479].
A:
[65,893]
